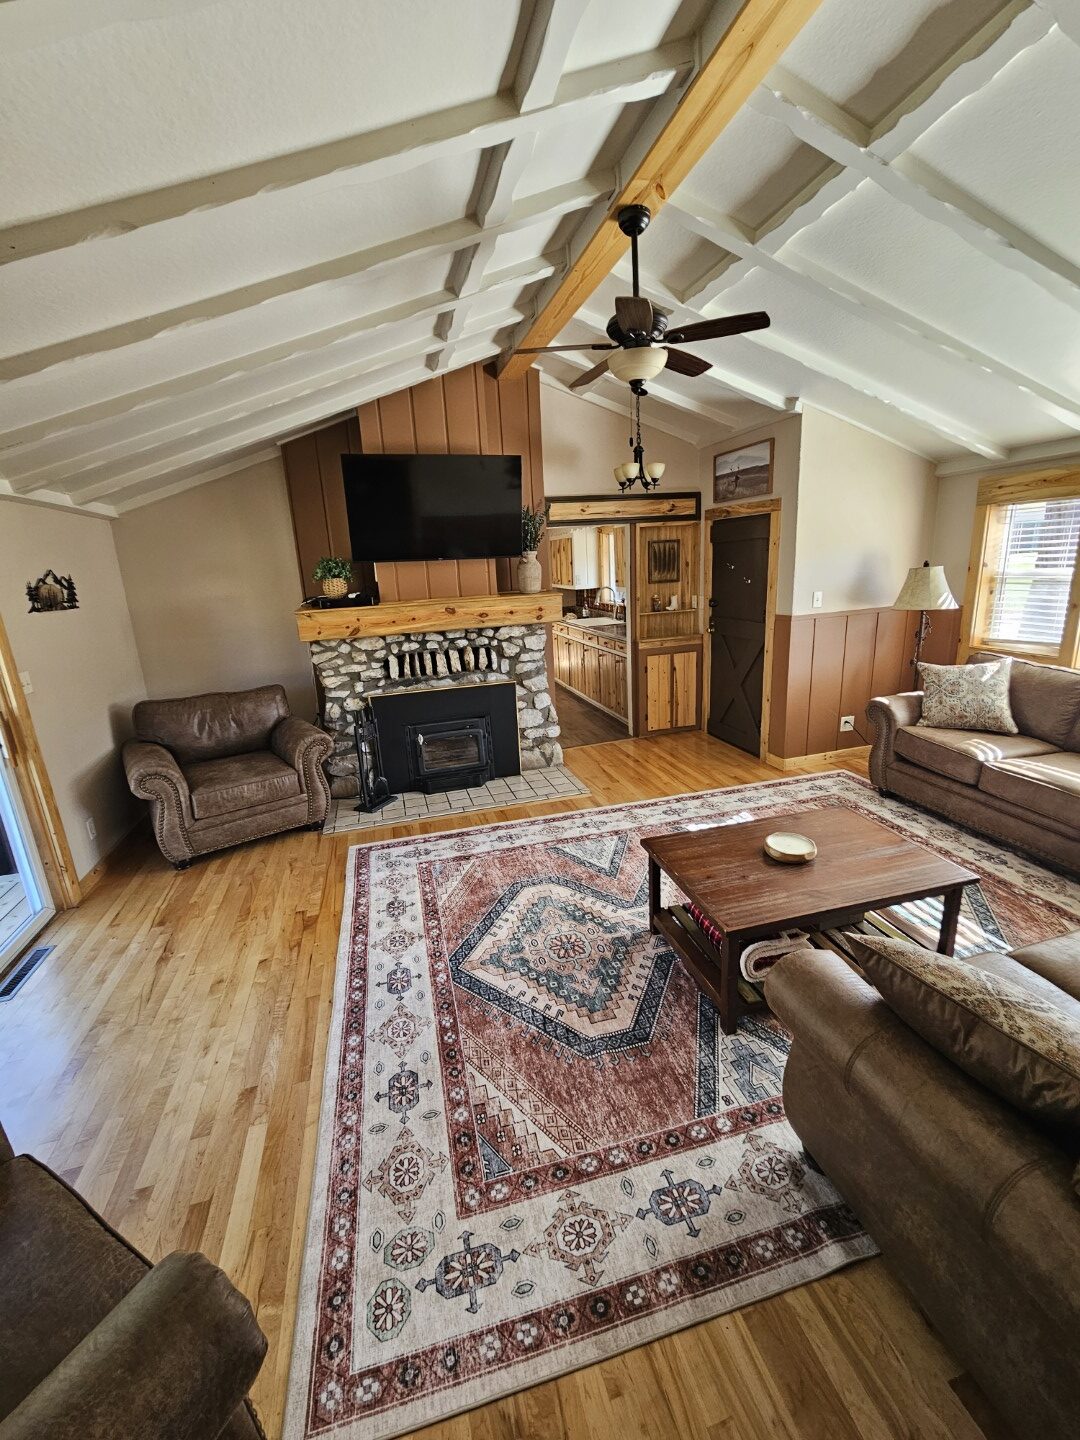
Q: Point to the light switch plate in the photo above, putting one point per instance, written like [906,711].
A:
[25,682]
[815,599]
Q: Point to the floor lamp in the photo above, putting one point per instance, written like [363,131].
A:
[924,589]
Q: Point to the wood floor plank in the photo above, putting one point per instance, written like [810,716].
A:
[168,1059]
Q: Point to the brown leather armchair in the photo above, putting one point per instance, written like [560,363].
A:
[95,1344]
[223,768]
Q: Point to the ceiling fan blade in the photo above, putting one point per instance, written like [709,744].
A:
[717,329]
[683,363]
[634,312]
[590,375]
[548,349]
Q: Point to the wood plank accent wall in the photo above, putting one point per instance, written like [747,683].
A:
[825,666]
[465,412]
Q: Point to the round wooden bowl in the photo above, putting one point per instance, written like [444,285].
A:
[789,848]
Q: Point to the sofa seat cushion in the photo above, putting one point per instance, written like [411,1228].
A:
[239,782]
[1056,960]
[1010,1030]
[961,754]
[1047,784]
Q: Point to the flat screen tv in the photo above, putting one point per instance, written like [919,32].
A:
[433,507]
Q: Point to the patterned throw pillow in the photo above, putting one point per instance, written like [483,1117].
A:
[1008,1037]
[967,697]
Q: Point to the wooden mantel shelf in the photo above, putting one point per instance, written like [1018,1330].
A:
[405,617]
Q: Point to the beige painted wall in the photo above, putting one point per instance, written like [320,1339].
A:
[212,583]
[583,442]
[954,516]
[785,434]
[866,512]
[83,665]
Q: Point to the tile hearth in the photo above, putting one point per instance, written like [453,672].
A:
[555,782]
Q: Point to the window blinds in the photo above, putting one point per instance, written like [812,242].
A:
[1029,589]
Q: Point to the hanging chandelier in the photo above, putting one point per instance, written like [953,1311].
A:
[635,472]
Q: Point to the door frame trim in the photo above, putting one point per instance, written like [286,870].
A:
[35,787]
[739,510]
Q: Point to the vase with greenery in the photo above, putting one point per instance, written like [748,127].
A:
[532,527]
[335,572]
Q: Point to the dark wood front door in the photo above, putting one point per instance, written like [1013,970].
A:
[737,601]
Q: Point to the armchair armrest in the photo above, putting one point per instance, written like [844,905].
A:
[174,1359]
[292,739]
[154,775]
[886,714]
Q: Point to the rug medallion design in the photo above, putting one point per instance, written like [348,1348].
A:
[536,1146]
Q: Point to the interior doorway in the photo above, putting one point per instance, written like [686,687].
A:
[742,582]
[591,566]
[25,903]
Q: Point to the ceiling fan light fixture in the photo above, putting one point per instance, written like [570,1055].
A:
[642,362]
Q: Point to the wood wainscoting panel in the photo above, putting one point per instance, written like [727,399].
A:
[465,412]
[825,666]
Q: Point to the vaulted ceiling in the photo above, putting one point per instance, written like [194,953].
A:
[225,221]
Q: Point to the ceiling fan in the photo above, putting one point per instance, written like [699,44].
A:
[641,343]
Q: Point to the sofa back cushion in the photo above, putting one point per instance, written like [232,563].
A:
[1045,701]
[1001,1026]
[206,727]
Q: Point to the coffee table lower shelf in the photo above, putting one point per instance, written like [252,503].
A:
[706,964]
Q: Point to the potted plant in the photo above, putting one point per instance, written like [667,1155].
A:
[532,527]
[335,572]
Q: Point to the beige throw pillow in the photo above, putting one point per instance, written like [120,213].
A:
[998,1031]
[967,697]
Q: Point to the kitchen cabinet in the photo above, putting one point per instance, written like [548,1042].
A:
[669,686]
[575,558]
[593,665]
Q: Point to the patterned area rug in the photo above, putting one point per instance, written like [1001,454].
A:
[536,1147]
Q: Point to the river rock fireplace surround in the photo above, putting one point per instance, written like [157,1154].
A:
[351,670]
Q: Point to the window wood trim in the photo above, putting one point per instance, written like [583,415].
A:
[994,493]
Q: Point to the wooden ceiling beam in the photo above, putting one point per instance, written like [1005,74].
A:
[737,62]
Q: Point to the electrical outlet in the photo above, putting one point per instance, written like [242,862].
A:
[847,722]
[91,828]
[815,599]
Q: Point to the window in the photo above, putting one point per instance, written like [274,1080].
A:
[1026,550]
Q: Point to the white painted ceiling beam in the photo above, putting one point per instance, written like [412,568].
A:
[381,375]
[1065,15]
[823,284]
[365,158]
[846,378]
[57,500]
[813,120]
[196,393]
[440,240]
[544,53]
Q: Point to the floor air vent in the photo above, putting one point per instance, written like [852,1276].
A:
[21,971]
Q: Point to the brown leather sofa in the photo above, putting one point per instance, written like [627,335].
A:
[95,1344]
[972,1204]
[223,768]
[1023,789]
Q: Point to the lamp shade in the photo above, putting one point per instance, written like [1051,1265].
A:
[925,589]
[642,362]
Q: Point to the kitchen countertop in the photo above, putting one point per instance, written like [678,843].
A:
[598,625]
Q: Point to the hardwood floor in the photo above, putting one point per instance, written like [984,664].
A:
[167,1059]
[582,723]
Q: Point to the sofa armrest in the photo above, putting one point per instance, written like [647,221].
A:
[304,746]
[886,714]
[991,1165]
[154,775]
[173,1360]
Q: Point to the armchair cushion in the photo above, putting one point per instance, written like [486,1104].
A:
[207,727]
[239,782]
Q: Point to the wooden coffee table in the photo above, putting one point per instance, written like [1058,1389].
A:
[860,866]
